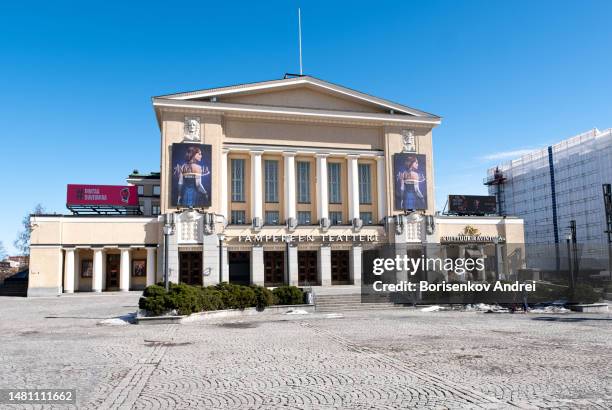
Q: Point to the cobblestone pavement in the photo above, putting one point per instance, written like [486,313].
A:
[387,359]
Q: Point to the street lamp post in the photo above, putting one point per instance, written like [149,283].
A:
[168,230]
[569,261]
[221,239]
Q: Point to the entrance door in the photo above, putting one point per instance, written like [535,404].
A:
[307,268]
[239,267]
[190,268]
[112,271]
[340,269]
[274,268]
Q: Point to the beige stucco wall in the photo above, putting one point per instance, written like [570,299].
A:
[303,134]
[45,275]
[302,97]
[254,129]
[393,145]
[94,231]
[511,229]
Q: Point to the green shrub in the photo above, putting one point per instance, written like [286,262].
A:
[608,288]
[584,293]
[245,297]
[184,298]
[263,297]
[210,299]
[288,295]
[154,290]
[228,293]
[153,305]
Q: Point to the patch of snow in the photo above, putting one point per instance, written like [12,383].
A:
[296,312]
[550,309]
[119,321]
[334,315]
[483,307]
[433,308]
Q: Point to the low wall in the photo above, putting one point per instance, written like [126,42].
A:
[220,314]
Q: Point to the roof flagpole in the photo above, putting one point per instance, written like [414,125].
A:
[300,36]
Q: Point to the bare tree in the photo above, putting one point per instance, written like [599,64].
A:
[3,254]
[22,243]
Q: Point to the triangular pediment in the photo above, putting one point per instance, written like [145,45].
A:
[300,92]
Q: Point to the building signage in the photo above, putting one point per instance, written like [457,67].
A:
[471,238]
[410,186]
[258,238]
[113,195]
[191,175]
[472,204]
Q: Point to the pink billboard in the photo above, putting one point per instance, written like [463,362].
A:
[115,195]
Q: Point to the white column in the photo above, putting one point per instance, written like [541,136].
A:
[256,185]
[151,266]
[325,265]
[69,272]
[225,264]
[355,264]
[322,198]
[290,200]
[224,187]
[353,186]
[292,262]
[77,267]
[96,280]
[381,187]
[124,270]
[257,265]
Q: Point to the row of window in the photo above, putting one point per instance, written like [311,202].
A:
[303,218]
[156,190]
[303,176]
[155,210]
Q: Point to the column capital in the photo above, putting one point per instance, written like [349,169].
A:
[380,158]
[352,156]
[256,153]
[225,150]
[289,154]
[322,155]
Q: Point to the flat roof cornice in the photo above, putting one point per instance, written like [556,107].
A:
[297,81]
[289,112]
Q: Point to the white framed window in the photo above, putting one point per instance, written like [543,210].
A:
[155,210]
[156,190]
[366,217]
[140,189]
[271,180]
[238,217]
[333,182]
[303,217]
[335,218]
[272,218]
[303,182]
[238,180]
[365,184]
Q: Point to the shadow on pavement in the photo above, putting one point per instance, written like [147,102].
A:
[569,319]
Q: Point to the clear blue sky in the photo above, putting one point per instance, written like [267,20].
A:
[76,78]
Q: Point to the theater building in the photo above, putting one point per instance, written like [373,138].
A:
[293,181]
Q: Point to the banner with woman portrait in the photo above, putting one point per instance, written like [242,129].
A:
[191,175]
[410,181]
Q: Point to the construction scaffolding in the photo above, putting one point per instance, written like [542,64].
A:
[549,187]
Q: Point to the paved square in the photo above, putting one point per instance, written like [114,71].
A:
[398,358]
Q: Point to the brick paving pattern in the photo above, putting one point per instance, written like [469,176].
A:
[376,360]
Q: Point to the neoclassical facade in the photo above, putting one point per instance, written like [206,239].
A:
[293,181]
